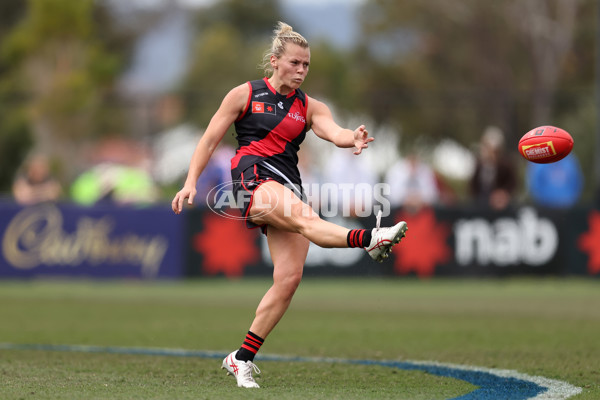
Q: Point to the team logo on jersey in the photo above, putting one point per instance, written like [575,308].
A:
[263,108]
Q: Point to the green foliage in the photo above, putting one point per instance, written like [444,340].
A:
[58,18]
[449,69]
[15,141]
[60,60]
[332,79]
[443,69]
[11,12]
[232,36]
[446,69]
[581,124]
[432,69]
[15,134]
[220,61]
[48,20]
[254,19]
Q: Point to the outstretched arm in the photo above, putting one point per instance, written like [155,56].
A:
[232,106]
[322,123]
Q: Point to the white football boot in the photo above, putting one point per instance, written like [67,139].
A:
[242,370]
[384,239]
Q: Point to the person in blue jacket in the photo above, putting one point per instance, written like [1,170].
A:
[555,185]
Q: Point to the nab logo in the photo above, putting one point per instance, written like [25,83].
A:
[526,238]
[263,108]
[257,107]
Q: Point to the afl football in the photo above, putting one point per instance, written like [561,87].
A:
[545,144]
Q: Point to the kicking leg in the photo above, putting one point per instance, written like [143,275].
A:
[276,205]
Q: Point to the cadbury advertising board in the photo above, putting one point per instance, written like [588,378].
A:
[98,242]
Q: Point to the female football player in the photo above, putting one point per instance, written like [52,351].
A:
[271,118]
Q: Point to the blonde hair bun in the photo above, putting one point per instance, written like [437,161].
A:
[282,35]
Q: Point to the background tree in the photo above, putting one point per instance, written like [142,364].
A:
[467,64]
[333,76]
[15,136]
[232,36]
[449,69]
[63,68]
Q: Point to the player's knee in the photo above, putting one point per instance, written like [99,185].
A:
[305,218]
[289,283]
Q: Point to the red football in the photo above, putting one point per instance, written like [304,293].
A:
[545,144]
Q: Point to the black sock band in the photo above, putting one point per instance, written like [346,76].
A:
[366,239]
[359,237]
[250,347]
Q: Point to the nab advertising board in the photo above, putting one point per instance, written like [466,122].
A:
[100,242]
[439,242]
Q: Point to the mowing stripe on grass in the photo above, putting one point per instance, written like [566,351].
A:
[492,383]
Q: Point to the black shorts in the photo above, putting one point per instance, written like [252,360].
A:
[246,182]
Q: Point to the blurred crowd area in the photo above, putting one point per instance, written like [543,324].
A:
[105,101]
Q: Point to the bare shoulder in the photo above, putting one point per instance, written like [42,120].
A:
[314,104]
[234,102]
[238,95]
[315,108]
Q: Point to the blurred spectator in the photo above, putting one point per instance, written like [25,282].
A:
[114,183]
[311,176]
[216,173]
[446,193]
[174,145]
[169,112]
[307,166]
[494,181]
[353,180]
[413,184]
[36,185]
[555,185]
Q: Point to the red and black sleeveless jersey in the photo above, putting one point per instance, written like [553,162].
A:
[271,129]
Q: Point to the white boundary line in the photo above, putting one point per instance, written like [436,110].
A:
[555,389]
[552,389]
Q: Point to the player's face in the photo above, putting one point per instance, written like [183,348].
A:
[292,66]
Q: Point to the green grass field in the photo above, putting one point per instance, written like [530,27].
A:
[548,328]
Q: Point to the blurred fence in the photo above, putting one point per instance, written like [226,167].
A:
[152,243]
